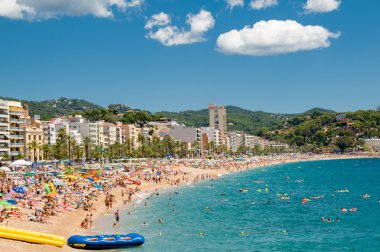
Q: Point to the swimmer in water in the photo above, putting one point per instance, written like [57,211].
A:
[160,221]
[343,210]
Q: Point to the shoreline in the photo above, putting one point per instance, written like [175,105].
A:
[67,223]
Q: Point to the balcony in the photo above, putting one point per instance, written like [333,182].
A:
[15,112]
[4,124]
[2,115]
[15,129]
[13,120]
[4,149]
[15,145]
[16,136]
[4,132]
[15,153]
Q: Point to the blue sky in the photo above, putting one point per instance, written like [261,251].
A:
[107,56]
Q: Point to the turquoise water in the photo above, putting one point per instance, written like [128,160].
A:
[258,221]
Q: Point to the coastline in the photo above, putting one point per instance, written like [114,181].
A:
[67,223]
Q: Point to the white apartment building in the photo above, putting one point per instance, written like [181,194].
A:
[85,128]
[4,129]
[236,139]
[251,141]
[50,135]
[373,143]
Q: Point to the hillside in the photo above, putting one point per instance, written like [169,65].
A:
[321,130]
[254,122]
[237,118]
[56,107]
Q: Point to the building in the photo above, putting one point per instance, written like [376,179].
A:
[85,128]
[131,133]
[213,135]
[187,135]
[252,141]
[218,119]
[236,139]
[17,118]
[50,135]
[4,129]
[34,132]
[373,143]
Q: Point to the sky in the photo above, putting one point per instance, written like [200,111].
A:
[284,56]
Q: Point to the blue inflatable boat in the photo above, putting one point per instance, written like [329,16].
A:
[105,241]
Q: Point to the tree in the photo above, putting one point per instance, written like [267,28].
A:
[87,146]
[46,149]
[345,142]
[6,157]
[34,146]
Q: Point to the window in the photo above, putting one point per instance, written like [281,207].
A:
[34,137]
[30,137]
[39,137]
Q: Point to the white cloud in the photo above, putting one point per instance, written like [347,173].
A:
[160,19]
[321,5]
[235,3]
[45,9]
[170,35]
[274,37]
[262,4]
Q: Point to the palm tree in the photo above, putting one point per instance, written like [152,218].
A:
[59,150]
[87,145]
[195,146]
[6,157]
[34,146]
[46,149]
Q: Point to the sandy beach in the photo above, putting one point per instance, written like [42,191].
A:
[67,223]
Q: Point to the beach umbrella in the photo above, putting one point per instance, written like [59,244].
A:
[30,174]
[98,187]
[13,202]
[20,162]
[4,203]
[4,168]
[19,189]
[91,179]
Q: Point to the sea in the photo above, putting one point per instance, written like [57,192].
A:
[244,211]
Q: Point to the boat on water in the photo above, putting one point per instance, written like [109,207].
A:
[97,242]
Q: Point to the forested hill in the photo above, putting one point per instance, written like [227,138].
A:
[56,107]
[237,118]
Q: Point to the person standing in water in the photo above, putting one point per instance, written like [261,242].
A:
[117,216]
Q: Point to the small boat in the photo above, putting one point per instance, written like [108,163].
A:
[243,190]
[105,241]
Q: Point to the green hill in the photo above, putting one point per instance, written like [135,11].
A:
[56,107]
[237,118]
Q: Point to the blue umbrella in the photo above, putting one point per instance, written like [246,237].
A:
[19,189]
[13,202]
[98,187]
[91,179]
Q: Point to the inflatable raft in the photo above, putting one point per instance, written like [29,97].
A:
[33,237]
[105,241]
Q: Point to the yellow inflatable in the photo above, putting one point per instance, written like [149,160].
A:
[33,237]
